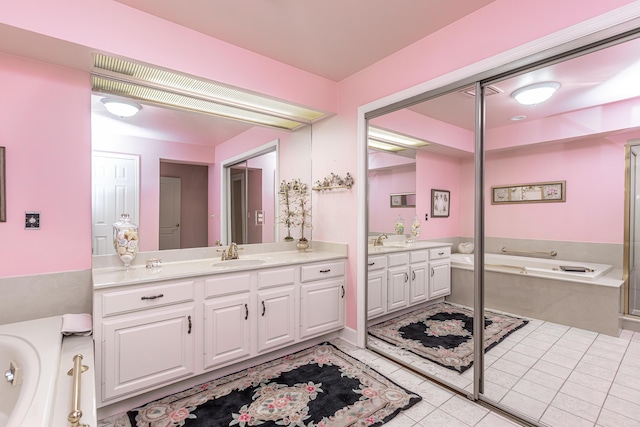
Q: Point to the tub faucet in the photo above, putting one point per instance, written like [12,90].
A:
[378,240]
[231,253]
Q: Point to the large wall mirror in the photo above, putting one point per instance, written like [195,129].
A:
[578,138]
[162,166]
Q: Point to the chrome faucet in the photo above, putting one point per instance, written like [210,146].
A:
[231,253]
[378,240]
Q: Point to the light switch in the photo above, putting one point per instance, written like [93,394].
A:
[259,217]
[32,220]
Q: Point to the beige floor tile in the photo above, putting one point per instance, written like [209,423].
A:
[558,359]
[590,381]
[440,418]
[609,418]
[510,367]
[585,393]
[597,371]
[419,410]
[536,391]
[623,407]
[576,406]
[555,417]
[464,410]
[528,350]
[525,405]
[400,420]
[545,379]
[494,420]
[553,369]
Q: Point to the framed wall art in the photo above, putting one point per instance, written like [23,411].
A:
[440,202]
[402,200]
[539,192]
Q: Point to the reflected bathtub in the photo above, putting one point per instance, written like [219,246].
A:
[541,289]
[29,360]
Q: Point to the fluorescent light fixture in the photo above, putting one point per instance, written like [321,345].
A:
[121,107]
[389,137]
[150,84]
[377,145]
[535,93]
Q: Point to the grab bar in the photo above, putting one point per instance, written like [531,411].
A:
[76,372]
[552,253]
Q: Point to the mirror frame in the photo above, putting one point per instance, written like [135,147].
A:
[225,181]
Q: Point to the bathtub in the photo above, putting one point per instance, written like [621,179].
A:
[34,348]
[540,289]
[536,267]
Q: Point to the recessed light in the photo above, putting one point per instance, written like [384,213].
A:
[518,118]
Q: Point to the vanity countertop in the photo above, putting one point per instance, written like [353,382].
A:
[119,276]
[395,246]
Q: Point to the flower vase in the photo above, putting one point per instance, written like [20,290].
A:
[125,239]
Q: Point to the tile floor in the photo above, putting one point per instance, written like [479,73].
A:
[554,374]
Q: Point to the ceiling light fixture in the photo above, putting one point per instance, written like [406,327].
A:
[121,107]
[535,93]
[153,85]
[518,118]
[388,137]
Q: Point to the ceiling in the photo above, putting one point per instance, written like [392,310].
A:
[330,38]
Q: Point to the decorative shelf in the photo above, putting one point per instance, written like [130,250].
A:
[333,182]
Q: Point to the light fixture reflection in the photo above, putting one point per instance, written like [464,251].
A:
[121,107]
[535,93]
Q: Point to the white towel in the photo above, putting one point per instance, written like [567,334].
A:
[77,324]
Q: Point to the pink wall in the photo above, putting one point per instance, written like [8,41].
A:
[382,183]
[48,167]
[266,165]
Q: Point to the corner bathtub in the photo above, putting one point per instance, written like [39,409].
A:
[540,289]
[34,347]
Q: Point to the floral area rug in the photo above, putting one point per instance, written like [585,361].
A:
[443,333]
[321,386]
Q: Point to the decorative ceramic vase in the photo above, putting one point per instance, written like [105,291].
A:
[415,228]
[302,244]
[125,239]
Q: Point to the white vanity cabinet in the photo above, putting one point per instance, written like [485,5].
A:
[401,279]
[376,286]
[322,298]
[277,308]
[227,321]
[439,272]
[151,334]
[146,336]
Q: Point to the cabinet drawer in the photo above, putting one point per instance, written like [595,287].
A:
[418,256]
[400,258]
[439,253]
[142,298]
[276,277]
[322,271]
[227,284]
[377,262]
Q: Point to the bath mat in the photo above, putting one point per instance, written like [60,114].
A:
[443,333]
[318,387]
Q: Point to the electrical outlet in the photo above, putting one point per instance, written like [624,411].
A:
[32,220]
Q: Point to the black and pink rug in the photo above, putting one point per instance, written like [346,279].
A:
[443,333]
[318,387]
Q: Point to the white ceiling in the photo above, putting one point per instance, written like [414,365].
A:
[330,38]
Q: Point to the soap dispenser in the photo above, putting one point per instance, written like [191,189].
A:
[399,225]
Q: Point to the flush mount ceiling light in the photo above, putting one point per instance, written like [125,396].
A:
[535,93]
[125,78]
[121,107]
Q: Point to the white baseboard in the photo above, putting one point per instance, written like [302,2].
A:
[349,335]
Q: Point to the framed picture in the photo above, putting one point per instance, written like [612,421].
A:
[403,200]
[440,202]
[539,192]
[3,187]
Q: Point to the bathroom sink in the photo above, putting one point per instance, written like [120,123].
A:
[238,263]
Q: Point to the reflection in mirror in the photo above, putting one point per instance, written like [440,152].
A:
[158,139]
[405,295]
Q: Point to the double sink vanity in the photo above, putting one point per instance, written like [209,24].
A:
[181,318]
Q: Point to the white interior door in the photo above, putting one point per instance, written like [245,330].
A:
[115,190]
[170,198]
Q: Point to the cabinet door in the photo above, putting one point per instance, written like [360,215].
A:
[397,288]
[145,350]
[276,318]
[376,294]
[439,278]
[227,329]
[419,283]
[321,307]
